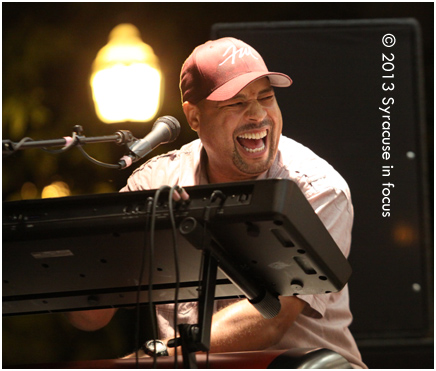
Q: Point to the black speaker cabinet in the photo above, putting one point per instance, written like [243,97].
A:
[357,101]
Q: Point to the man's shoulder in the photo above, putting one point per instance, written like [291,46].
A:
[186,150]
[297,157]
[300,163]
[167,168]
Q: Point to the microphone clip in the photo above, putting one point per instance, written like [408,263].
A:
[125,137]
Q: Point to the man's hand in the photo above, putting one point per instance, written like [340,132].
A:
[180,194]
[91,320]
[141,354]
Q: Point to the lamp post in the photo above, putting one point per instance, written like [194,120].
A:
[126,80]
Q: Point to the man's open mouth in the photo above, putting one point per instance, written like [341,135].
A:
[253,142]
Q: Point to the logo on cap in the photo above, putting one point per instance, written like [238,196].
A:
[244,51]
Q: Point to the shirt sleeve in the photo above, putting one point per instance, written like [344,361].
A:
[158,171]
[333,207]
[330,198]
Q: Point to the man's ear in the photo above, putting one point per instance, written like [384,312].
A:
[192,114]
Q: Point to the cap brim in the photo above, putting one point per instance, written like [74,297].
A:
[231,88]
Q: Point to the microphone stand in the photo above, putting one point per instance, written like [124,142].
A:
[196,337]
[120,137]
[76,140]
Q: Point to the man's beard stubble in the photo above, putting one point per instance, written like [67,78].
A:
[256,168]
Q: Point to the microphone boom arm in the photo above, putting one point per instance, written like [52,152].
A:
[165,130]
[120,137]
[76,140]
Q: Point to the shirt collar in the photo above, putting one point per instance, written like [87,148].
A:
[201,172]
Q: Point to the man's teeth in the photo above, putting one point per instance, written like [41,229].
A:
[256,136]
[260,135]
[255,149]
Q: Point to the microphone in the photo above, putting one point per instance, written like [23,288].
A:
[166,129]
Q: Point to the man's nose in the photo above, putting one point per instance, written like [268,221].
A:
[255,111]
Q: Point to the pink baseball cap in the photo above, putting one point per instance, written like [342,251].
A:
[220,69]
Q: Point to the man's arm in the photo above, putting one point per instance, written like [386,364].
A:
[91,320]
[240,327]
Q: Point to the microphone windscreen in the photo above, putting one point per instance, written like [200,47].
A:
[172,123]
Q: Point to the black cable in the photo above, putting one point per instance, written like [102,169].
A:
[73,143]
[206,214]
[96,162]
[63,149]
[141,275]
[20,143]
[151,207]
[206,217]
[17,146]
[205,222]
[176,265]
[151,267]
[9,148]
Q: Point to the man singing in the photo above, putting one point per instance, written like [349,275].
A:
[228,99]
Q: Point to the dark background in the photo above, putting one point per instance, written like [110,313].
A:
[333,108]
[48,50]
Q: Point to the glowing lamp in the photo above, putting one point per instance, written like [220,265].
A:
[126,80]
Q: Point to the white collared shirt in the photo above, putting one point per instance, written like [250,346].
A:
[324,321]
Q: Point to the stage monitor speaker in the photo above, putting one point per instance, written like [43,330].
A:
[357,101]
